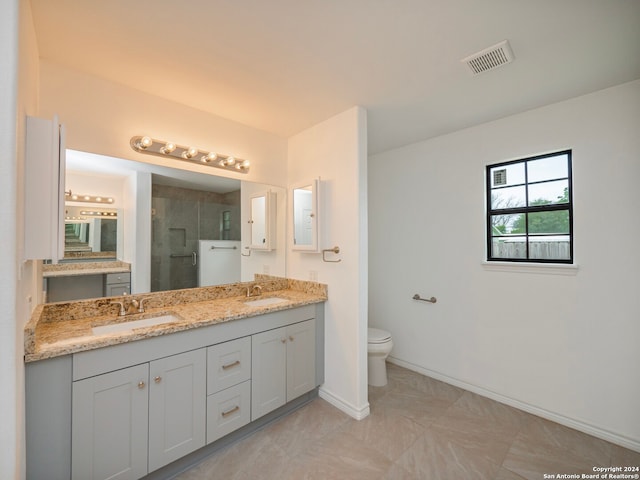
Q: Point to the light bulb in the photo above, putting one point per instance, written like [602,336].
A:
[230,160]
[98,199]
[110,200]
[209,157]
[245,164]
[74,197]
[190,153]
[168,148]
[145,142]
[87,197]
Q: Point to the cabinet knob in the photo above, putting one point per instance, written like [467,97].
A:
[141,384]
[290,338]
[283,340]
[157,379]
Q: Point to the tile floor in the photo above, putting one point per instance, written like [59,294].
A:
[419,428]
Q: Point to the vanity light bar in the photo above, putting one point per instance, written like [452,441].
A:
[98,213]
[151,146]
[76,197]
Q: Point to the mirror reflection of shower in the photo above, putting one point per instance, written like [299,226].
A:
[184,219]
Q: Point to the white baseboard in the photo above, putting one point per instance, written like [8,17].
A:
[340,404]
[612,437]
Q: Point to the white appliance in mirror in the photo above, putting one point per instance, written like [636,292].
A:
[305,198]
[262,221]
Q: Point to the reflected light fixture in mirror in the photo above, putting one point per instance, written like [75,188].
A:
[78,197]
[160,148]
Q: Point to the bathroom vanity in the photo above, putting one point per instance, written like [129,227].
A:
[106,400]
[81,280]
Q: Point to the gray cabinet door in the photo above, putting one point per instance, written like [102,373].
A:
[301,358]
[109,425]
[177,406]
[268,371]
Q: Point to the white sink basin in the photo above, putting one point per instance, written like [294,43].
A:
[131,325]
[262,302]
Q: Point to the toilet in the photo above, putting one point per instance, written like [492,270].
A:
[379,346]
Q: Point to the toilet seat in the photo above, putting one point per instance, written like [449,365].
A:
[377,335]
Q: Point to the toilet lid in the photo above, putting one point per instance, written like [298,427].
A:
[378,336]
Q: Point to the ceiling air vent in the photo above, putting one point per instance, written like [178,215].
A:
[490,58]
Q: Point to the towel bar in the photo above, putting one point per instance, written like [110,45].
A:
[430,300]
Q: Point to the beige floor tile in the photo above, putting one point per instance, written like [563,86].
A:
[413,405]
[401,379]
[623,457]
[309,424]
[418,429]
[396,472]
[389,433]
[483,418]
[547,447]
[434,457]
[230,462]
[340,455]
[504,474]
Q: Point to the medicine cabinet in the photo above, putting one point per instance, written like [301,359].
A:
[262,220]
[305,198]
[44,182]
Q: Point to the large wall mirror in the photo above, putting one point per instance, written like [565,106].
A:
[200,229]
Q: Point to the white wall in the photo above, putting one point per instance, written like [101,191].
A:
[137,230]
[9,434]
[561,346]
[19,288]
[335,150]
[102,116]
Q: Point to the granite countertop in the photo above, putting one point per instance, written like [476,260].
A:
[63,328]
[84,268]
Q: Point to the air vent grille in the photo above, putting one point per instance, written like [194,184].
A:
[490,58]
[500,177]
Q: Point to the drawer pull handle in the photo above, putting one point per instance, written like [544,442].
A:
[141,384]
[229,412]
[230,365]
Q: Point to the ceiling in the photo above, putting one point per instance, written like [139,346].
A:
[284,65]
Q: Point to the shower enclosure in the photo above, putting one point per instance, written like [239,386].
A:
[181,217]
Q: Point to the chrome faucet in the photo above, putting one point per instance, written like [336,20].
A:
[122,311]
[126,304]
[252,289]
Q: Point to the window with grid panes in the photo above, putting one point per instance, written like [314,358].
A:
[530,210]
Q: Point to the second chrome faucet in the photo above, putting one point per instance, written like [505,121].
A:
[252,289]
[126,304]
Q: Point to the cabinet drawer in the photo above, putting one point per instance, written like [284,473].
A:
[228,364]
[124,277]
[228,410]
